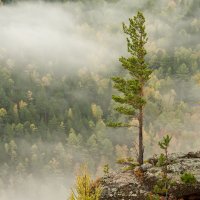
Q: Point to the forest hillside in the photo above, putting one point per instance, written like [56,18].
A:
[56,63]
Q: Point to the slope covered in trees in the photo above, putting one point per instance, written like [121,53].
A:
[54,103]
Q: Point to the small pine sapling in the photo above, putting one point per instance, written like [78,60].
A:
[85,187]
[161,160]
[162,186]
[164,144]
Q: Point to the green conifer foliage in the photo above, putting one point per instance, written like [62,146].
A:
[132,100]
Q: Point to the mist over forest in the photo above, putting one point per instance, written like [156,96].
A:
[56,63]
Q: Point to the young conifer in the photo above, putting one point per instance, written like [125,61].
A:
[85,188]
[132,100]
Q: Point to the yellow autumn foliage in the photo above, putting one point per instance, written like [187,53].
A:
[3,112]
[85,188]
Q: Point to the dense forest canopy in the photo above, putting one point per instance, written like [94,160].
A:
[56,60]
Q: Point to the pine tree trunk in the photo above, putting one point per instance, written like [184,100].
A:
[141,148]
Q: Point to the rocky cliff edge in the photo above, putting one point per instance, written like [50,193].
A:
[137,184]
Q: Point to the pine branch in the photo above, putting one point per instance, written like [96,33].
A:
[124,110]
[120,124]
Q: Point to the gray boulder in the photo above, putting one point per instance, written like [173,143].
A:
[134,185]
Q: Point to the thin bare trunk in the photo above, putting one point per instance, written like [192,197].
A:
[141,148]
[140,119]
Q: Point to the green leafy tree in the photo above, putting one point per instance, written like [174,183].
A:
[132,100]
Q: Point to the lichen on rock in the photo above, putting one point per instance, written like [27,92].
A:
[127,185]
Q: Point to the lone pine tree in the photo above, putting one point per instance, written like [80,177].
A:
[132,100]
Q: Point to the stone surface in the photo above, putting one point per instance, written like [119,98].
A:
[130,185]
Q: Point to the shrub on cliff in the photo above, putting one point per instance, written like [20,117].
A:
[85,187]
